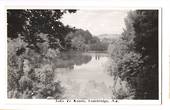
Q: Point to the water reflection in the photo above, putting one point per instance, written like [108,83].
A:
[86,76]
[97,57]
[69,60]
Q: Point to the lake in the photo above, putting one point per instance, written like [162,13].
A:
[84,75]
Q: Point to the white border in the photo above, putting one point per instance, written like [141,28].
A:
[44,101]
[106,3]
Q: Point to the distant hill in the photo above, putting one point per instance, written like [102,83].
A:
[110,36]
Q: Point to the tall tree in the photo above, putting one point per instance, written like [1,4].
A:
[135,55]
[29,23]
[146,43]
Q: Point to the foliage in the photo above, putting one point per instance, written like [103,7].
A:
[83,41]
[29,23]
[35,38]
[14,66]
[25,82]
[52,53]
[78,40]
[99,45]
[78,43]
[134,57]
[122,68]
[44,74]
[34,35]
[146,43]
[146,28]
[31,81]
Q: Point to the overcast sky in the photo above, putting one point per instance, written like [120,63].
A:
[97,21]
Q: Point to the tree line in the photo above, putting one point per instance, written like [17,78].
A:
[135,55]
[36,39]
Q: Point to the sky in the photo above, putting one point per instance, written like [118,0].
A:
[97,21]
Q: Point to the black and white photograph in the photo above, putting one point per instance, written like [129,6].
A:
[83,54]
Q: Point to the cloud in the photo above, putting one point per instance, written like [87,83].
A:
[97,21]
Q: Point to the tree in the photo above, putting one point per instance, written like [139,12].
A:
[146,43]
[78,43]
[146,28]
[34,36]
[79,40]
[135,54]
[29,23]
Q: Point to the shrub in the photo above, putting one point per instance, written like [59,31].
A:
[25,83]
[44,74]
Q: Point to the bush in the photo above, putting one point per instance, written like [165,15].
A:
[25,83]
[44,74]
[28,73]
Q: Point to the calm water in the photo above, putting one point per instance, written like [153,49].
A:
[84,76]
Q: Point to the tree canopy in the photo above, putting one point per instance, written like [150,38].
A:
[135,54]
[29,23]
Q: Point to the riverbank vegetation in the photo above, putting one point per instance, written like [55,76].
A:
[134,57]
[30,52]
[37,44]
